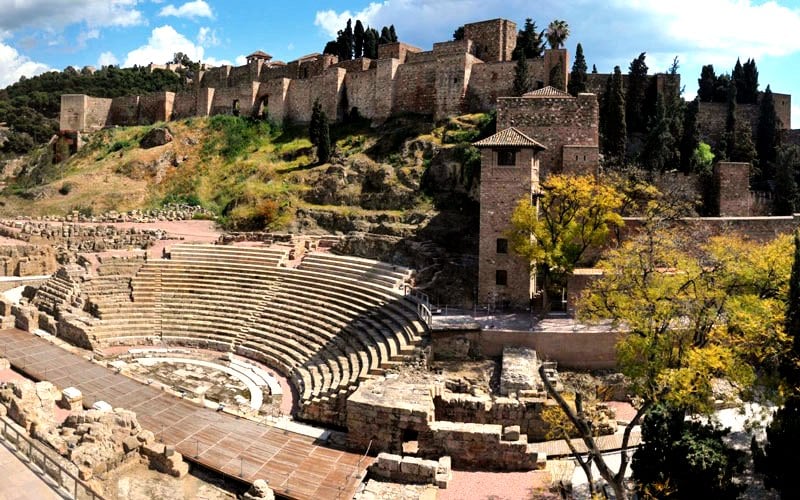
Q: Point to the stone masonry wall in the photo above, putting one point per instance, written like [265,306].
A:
[733,180]
[554,122]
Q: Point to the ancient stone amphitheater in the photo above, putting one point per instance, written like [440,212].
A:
[326,322]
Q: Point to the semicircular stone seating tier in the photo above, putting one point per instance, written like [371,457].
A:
[325,325]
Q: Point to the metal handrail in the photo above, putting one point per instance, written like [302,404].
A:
[13,436]
[423,303]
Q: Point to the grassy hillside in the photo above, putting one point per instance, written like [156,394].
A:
[256,175]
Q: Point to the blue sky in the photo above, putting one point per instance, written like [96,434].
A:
[39,35]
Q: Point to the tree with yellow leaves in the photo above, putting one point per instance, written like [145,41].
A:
[574,214]
[692,313]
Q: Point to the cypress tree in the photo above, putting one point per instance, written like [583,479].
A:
[767,132]
[392,34]
[616,130]
[458,34]
[358,39]
[371,43]
[522,78]
[690,138]
[385,37]
[314,126]
[557,77]
[345,40]
[577,78]
[750,86]
[332,48]
[635,98]
[529,41]
[730,123]
[324,146]
[594,69]
[707,84]
[786,195]
[737,77]
[659,143]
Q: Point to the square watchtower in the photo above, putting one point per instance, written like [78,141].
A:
[509,173]
[494,40]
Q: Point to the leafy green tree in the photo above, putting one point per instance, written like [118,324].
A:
[692,313]
[332,48]
[635,115]
[615,131]
[577,78]
[707,84]
[557,33]
[529,41]
[786,199]
[458,34]
[683,459]
[575,214]
[522,77]
[358,39]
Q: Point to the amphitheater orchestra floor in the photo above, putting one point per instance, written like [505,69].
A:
[296,466]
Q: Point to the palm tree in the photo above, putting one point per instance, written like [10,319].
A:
[557,33]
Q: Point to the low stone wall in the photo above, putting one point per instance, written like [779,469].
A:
[580,350]
[412,470]
[27,260]
[80,238]
[526,413]
[174,212]
[480,446]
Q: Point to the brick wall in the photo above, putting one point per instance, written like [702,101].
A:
[733,180]
[415,86]
[554,122]
[580,160]
[501,189]
[494,40]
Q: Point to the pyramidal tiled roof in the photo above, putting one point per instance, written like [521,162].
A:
[260,54]
[509,137]
[548,92]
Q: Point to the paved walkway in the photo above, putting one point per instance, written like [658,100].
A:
[19,482]
[295,465]
[559,448]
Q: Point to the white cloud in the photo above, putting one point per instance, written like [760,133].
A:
[207,37]
[162,45]
[240,60]
[331,21]
[107,59]
[13,65]
[54,15]
[795,115]
[740,27]
[191,10]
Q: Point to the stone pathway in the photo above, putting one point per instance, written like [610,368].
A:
[19,482]
[559,448]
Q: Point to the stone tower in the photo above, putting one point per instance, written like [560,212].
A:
[509,173]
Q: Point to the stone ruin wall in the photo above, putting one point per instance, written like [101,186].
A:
[712,116]
[27,260]
[554,122]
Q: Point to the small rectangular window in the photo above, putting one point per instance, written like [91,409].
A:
[506,158]
[502,245]
[501,277]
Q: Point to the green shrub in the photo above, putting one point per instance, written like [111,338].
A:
[119,146]
[66,188]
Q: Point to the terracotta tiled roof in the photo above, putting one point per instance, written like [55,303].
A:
[259,55]
[509,137]
[548,92]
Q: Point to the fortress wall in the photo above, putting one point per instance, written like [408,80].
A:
[554,122]
[216,77]
[415,86]
[125,110]
[241,75]
[712,116]
[420,57]
[397,50]
[275,92]
[361,92]
[494,40]
[356,65]
[300,98]
[580,160]
[73,112]
[156,107]
[97,114]
[185,105]
[273,72]
[783,108]
[489,81]
[385,88]
[452,74]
